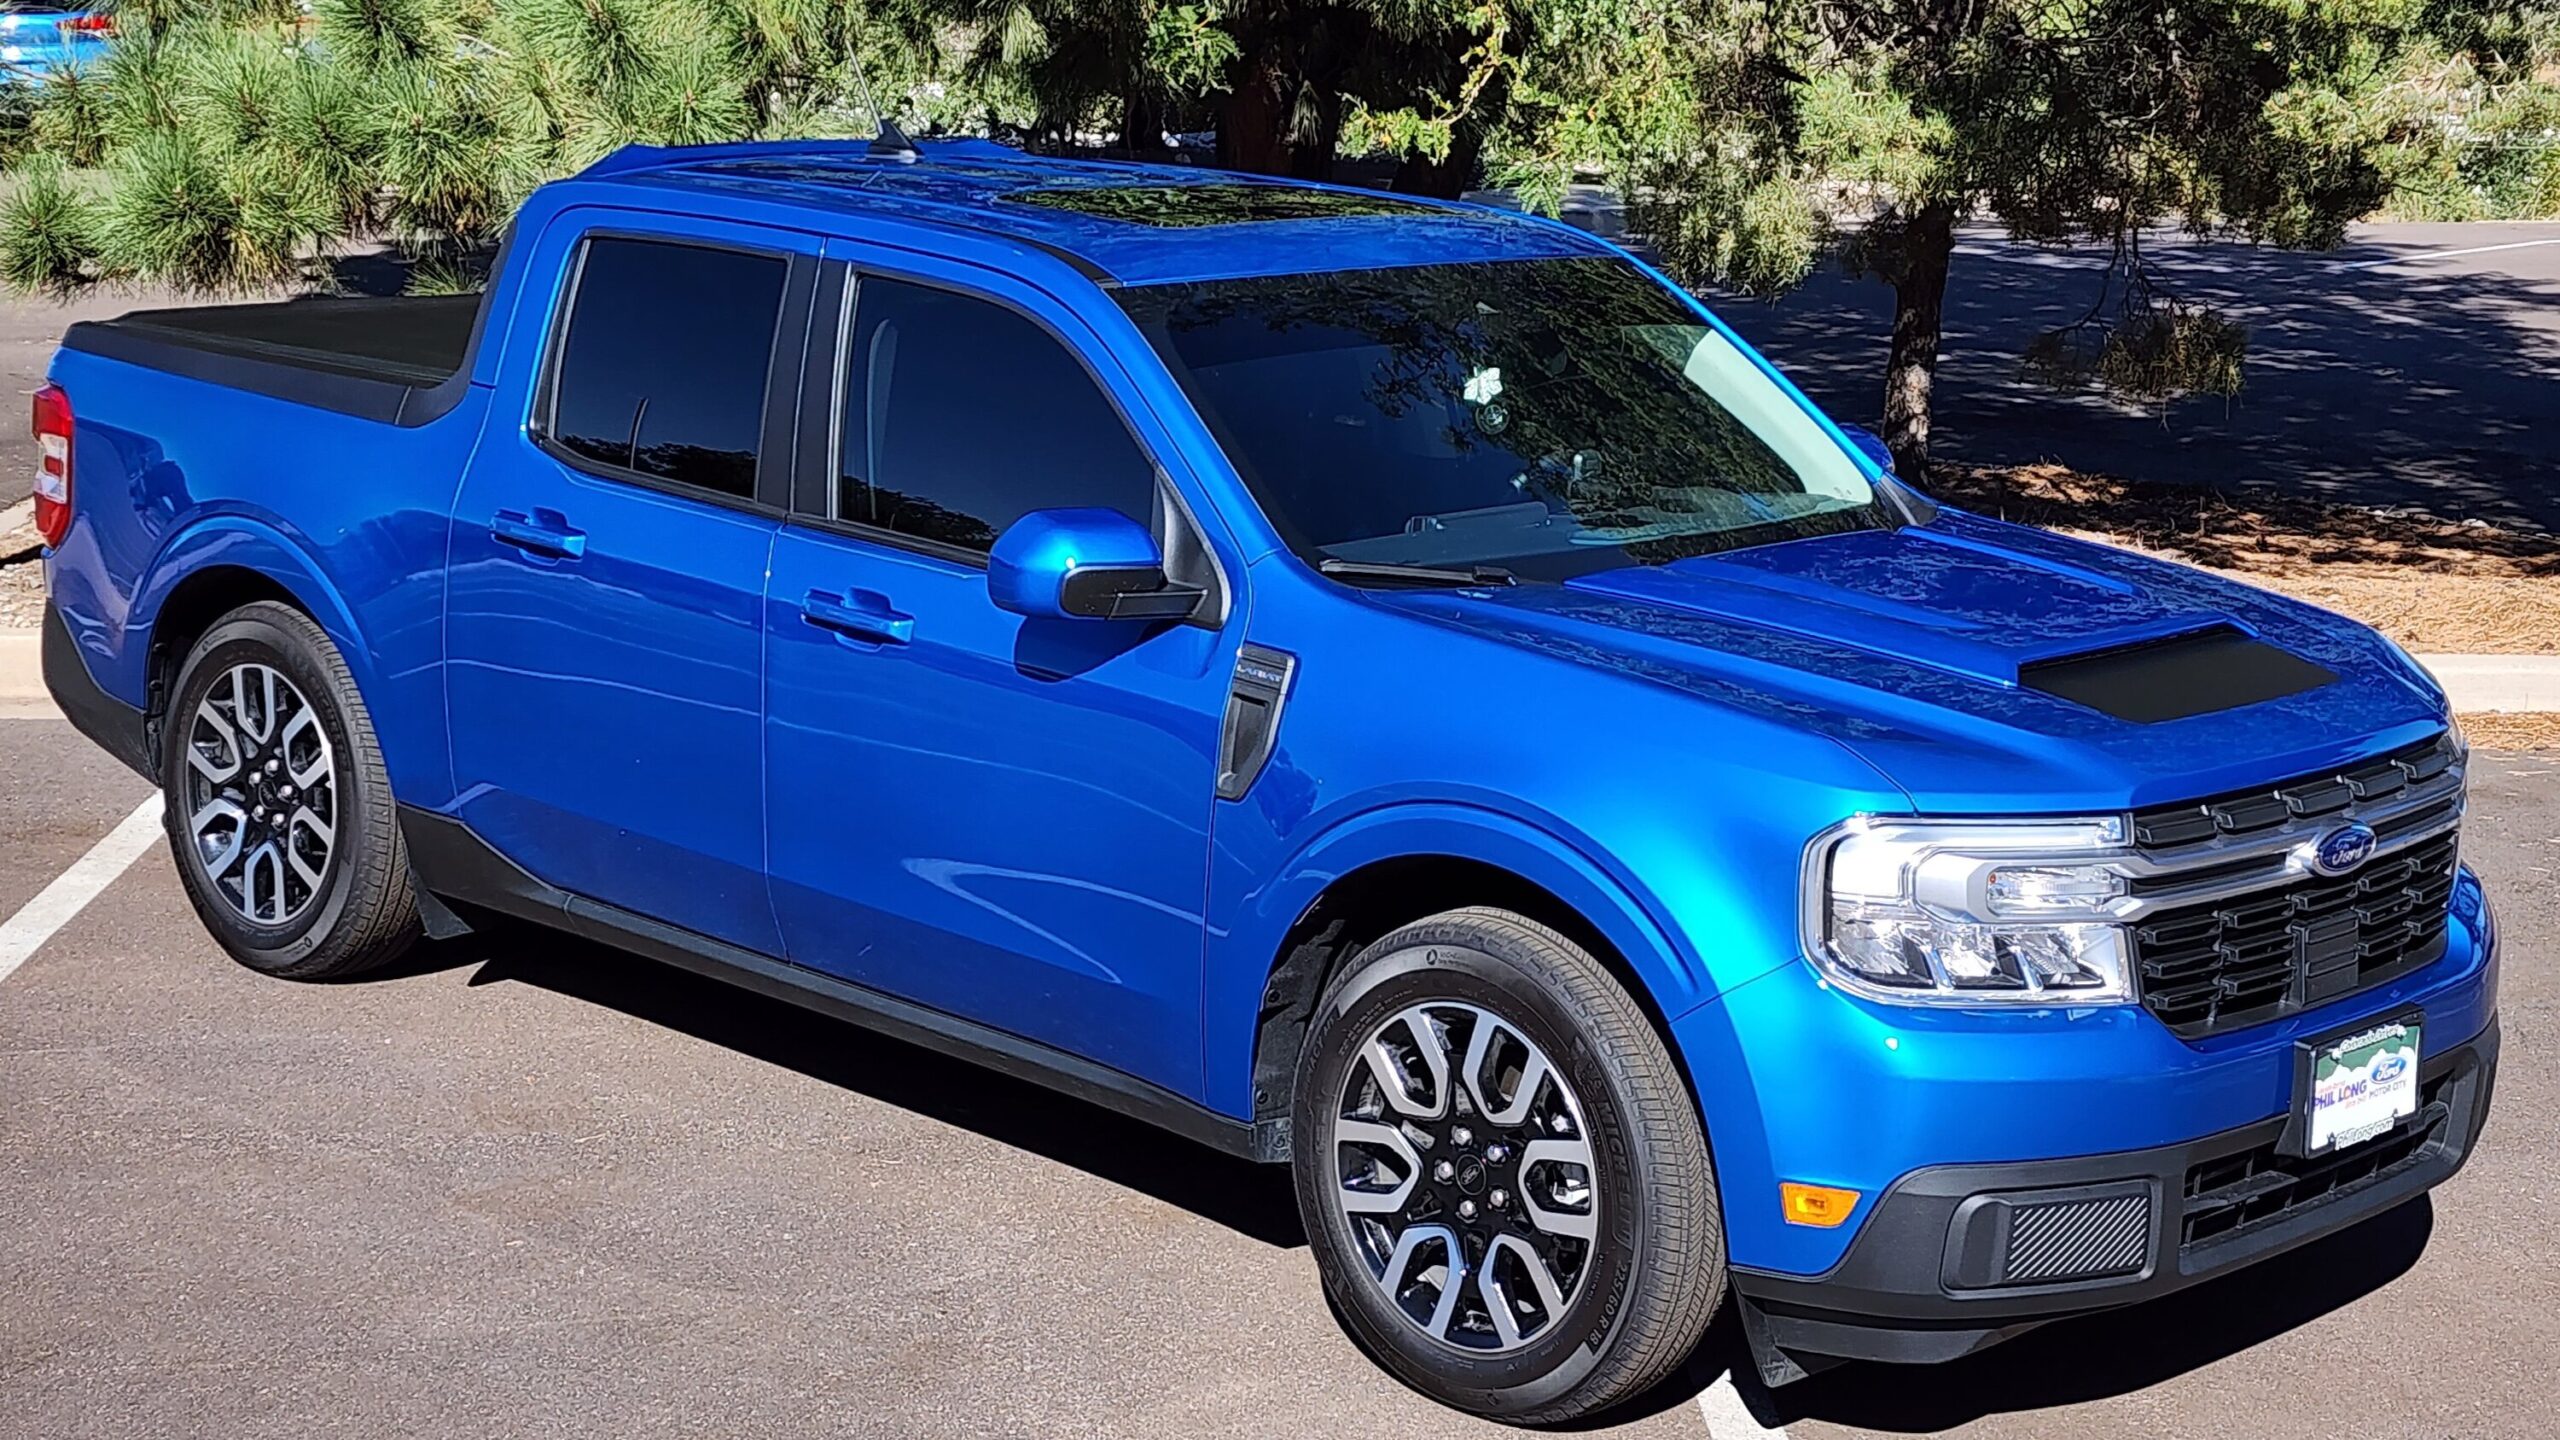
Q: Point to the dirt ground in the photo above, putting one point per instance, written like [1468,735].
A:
[2437,586]
[21,577]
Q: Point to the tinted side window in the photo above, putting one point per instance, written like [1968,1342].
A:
[960,416]
[662,369]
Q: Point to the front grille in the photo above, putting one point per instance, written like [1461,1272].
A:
[2233,1194]
[2243,961]
[2246,953]
[2244,812]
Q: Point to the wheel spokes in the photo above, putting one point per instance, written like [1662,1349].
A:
[1500,1306]
[222,764]
[1452,1278]
[260,793]
[1364,1199]
[264,863]
[1464,1169]
[1559,1202]
[1481,1048]
[305,773]
[218,851]
[1396,1078]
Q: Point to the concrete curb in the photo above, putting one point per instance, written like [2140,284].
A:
[2479,684]
[2483,684]
[22,692]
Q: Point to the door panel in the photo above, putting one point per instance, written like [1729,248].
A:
[607,707]
[1000,818]
[606,588]
[1005,819]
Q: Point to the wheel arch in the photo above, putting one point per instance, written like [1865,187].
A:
[207,572]
[1385,869]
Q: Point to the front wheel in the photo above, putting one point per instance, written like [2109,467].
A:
[1501,1171]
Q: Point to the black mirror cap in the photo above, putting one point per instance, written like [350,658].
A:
[1128,592]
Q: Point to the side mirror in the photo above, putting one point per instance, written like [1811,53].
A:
[1868,445]
[1084,565]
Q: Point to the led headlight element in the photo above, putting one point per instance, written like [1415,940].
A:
[1972,912]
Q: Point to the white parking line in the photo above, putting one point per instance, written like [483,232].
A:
[2441,254]
[1727,1417]
[74,888]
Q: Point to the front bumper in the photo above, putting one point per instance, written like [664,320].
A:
[1919,1110]
[1924,1280]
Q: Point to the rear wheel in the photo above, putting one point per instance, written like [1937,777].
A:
[277,807]
[1501,1171]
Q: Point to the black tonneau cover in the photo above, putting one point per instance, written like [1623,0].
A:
[403,359]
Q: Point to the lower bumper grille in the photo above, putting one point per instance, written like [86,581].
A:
[2233,1194]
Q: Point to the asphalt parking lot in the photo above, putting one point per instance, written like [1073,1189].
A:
[530,1186]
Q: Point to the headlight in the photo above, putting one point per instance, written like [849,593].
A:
[2026,912]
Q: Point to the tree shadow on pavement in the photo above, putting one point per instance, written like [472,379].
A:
[2432,384]
[1254,1200]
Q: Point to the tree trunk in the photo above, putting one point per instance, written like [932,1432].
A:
[1919,309]
[1253,120]
[1449,178]
[1142,122]
[1312,157]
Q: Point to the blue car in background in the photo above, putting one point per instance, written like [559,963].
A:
[1388,687]
[40,37]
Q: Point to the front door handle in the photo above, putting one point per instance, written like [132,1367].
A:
[864,615]
[544,532]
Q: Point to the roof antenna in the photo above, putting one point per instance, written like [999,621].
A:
[888,142]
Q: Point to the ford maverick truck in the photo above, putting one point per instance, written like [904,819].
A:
[1387,687]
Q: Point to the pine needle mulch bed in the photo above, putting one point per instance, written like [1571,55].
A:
[2436,586]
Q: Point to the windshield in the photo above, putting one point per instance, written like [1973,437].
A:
[1550,417]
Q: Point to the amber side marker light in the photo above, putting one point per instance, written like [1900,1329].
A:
[1821,1206]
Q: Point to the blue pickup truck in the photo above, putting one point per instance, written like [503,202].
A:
[1389,687]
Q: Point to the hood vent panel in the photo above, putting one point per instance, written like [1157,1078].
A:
[2193,674]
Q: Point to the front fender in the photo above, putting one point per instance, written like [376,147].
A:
[1246,932]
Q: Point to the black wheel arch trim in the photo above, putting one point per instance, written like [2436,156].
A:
[454,863]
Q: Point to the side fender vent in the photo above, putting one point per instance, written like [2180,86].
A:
[1251,729]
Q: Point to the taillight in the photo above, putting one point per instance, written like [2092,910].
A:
[52,425]
[94,23]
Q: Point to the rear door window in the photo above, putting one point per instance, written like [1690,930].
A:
[961,415]
[662,365]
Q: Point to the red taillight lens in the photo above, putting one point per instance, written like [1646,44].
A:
[90,24]
[52,426]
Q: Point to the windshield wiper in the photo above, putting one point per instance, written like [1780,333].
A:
[1416,574]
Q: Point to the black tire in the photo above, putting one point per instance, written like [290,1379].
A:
[362,913]
[1650,1280]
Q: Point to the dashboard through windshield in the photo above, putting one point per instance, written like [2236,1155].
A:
[1548,417]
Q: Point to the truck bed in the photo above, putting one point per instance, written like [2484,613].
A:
[401,359]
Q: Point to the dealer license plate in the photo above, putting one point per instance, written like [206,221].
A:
[2361,1085]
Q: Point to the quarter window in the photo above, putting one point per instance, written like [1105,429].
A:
[662,367]
[960,416]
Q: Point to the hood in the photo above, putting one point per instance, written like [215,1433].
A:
[1987,666]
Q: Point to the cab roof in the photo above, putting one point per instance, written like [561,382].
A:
[1117,223]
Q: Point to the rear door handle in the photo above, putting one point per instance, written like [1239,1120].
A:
[544,532]
[865,615]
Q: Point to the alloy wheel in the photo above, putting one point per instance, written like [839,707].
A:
[1464,1171]
[261,793]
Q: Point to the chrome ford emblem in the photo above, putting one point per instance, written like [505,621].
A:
[2342,849]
